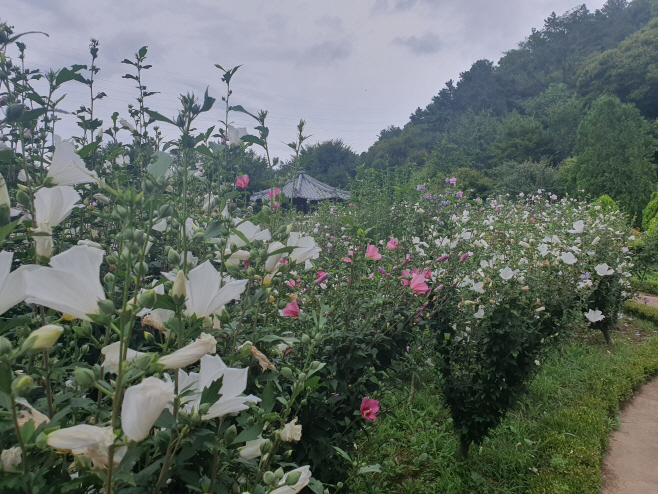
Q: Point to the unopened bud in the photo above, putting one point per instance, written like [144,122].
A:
[245,351]
[306,339]
[140,269]
[42,338]
[286,372]
[22,385]
[106,307]
[147,299]
[266,447]
[109,279]
[23,199]
[293,478]
[143,361]
[279,473]
[230,435]
[269,478]
[224,318]
[5,346]
[179,290]
[173,257]
[84,377]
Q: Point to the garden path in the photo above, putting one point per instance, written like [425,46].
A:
[631,466]
[648,299]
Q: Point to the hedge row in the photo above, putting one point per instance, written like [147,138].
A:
[575,437]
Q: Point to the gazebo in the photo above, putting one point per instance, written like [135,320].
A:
[307,191]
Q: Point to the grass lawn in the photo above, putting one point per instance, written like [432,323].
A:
[554,442]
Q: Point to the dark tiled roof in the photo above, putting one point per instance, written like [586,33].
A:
[306,187]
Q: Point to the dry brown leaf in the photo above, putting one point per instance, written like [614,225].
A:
[262,359]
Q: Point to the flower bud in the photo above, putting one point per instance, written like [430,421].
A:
[286,372]
[84,377]
[22,385]
[106,307]
[173,257]
[266,447]
[140,269]
[306,339]
[179,290]
[143,361]
[42,338]
[224,318]
[315,364]
[23,198]
[230,435]
[302,377]
[165,210]
[279,473]
[233,269]
[245,351]
[147,299]
[269,478]
[84,349]
[109,279]
[5,346]
[293,478]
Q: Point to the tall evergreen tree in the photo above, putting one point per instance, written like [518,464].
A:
[613,155]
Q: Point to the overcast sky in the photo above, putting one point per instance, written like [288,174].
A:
[350,68]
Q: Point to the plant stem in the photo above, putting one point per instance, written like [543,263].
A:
[20,439]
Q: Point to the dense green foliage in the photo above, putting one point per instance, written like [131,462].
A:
[554,441]
[527,108]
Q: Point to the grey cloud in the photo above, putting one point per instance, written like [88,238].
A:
[330,21]
[325,52]
[420,45]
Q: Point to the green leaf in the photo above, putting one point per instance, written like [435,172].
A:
[164,302]
[249,434]
[214,229]
[142,51]
[27,431]
[6,154]
[5,377]
[268,398]
[65,75]
[208,101]
[343,454]
[241,235]
[376,468]
[253,140]
[30,115]
[316,486]
[7,229]
[165,421]
[158,117]
[239,108]
[203,149]
[161,165]
[282,250]
[88,148]
[211,394]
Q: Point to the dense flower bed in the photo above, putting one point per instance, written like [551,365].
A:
[161,333]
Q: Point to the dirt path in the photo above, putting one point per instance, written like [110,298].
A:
[631,466]
[648,299]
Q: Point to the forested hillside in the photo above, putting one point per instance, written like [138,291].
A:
[572,107]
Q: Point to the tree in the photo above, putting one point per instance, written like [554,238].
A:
[614,150]
[527,177]
[522,138]
[629,71]
[332,162]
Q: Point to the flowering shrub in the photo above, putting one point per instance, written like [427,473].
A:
[161,334]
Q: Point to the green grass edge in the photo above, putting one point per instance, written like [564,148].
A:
[576,437]
[566,419]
